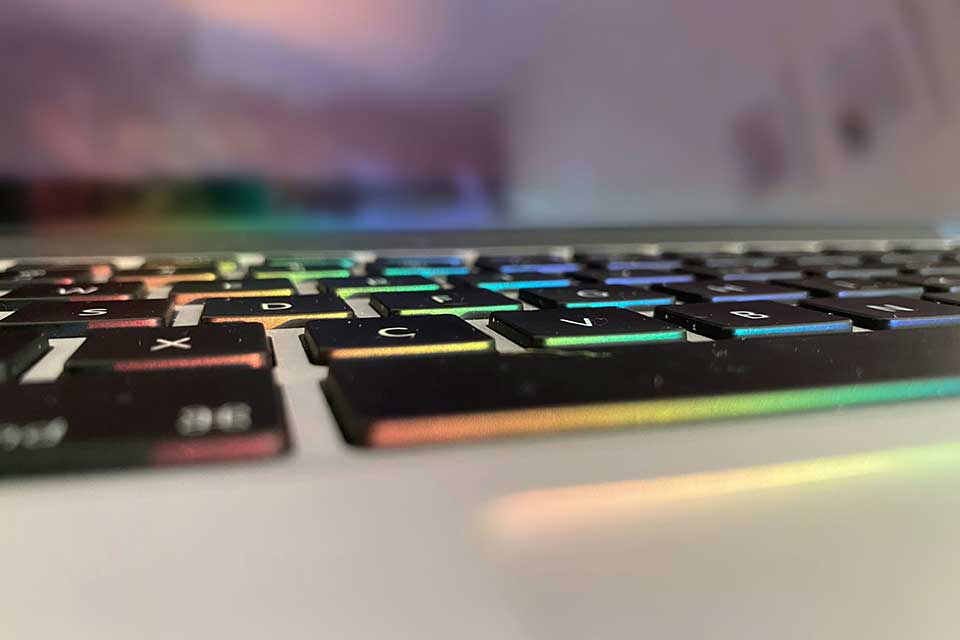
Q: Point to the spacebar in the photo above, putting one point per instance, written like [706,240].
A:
[401,402]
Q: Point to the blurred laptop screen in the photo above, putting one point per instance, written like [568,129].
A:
[457,113]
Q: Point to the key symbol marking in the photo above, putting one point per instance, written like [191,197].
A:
[586,322]
[92,312]
[592,293]
[377,282]
[726,288]
[180,343]
[63,291]
[441,299]
[750,315]
[275,306]
[390,332]
[889,308]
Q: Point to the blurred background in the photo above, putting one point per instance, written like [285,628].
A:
[458,113]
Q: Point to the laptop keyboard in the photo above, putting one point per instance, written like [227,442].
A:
[467,345]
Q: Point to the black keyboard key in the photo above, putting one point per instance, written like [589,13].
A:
[329,340]
[19,350]
[64,319]
[273,313]
[298,273]
[427,267]
[946,298]
[100,292]
[751,319]
[133,350]
[465,303]
[526,264]
[594,297]
[102,422]
[842,272]
[579,328]
[934,284]
[889,312]
[87,271]
[159,276]
[935,269]
[627,261]
[855,287]
[803,259]
[707,291]
[905,258]
[366,285]
[220,265]
[543,392]
[731,260]
[47,275]
[189,292]
[510,281]
[755,274]
[634,277]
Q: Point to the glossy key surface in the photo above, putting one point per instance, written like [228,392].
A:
[99,292]
[855,287]
[625,261]
[712,291]
[276,313]
[299,273]
[188,292]
[101,422]
[563,328]
[592,296]
[161,276]
[634,277]
[935,284]
[63,319]
[19,350]
[465,303]
[328,340]
[511,281]
[168,348]
[550,392]
[844,271]
[364,286]
[751,319]
[889,312]
[748,273]
[527,264]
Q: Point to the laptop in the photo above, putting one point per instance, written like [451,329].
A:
[466,320]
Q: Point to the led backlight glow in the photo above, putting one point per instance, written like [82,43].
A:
[651,336]
[299,276]
[799,328]
[457,311]
[475,426]
[426,272]
[528,284]
[653,302]
[349,292]
[275,322]
[187,298]
[409,350]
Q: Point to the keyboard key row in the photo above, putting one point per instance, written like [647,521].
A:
[542,392]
